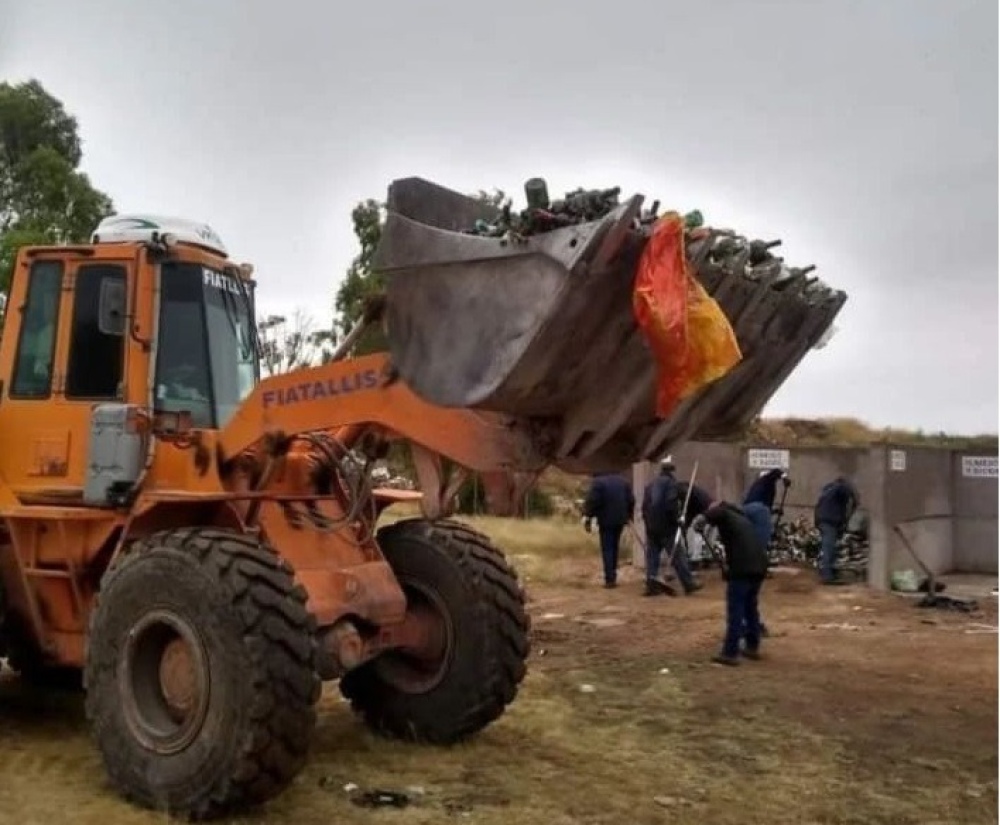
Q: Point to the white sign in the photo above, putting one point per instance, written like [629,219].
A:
[974,466]
[767,459]
[897,461]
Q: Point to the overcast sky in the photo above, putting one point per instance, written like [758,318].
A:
[861,132]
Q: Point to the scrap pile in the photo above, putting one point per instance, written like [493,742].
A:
[716,248]
[798,542]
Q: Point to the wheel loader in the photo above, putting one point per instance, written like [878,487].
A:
[203,545]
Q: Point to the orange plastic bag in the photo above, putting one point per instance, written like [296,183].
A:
[691,338]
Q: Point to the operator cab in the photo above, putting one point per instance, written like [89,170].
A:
[206,359]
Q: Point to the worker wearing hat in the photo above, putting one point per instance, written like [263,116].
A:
[661,505]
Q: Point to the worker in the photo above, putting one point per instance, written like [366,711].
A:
[836,504]
[611,501]
[661,504]
[758,515]
[744,569]
[765,487]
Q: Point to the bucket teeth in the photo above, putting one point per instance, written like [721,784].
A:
[530,315]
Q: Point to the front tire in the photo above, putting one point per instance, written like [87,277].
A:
[455,572]
[200,673]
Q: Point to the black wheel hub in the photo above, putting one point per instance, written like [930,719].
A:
[412,673]
[163,682]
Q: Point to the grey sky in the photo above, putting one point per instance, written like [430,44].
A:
[862,133]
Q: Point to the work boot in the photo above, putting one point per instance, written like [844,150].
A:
[653,588]
[750,653]
[694,588]
[610,585]
[722,659]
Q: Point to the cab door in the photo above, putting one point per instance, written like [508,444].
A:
[66,359]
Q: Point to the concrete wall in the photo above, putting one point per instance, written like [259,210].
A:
[974,535]
[949,518]
[917,498]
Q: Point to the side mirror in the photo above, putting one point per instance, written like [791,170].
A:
[111,311]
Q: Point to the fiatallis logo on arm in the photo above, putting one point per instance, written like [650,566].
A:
[322,390]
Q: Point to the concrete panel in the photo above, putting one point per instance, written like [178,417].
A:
[975,534]
[975,545]
[918,498]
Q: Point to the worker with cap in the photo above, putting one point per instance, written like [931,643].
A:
[836,504]
[744,569]
[765,487]
[661,511]
[610,500]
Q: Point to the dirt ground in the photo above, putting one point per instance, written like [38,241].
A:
[865,710]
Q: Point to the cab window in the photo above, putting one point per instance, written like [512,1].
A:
[37,342]
[96,348]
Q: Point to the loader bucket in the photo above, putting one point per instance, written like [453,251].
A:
[542,328]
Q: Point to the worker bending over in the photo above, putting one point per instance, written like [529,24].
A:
[744,570]
[836,504]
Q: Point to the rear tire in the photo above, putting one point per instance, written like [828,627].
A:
[456,570]
[213,620]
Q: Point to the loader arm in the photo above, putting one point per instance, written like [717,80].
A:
[362,392]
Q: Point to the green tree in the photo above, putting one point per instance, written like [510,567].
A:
[361,283]
[44,198]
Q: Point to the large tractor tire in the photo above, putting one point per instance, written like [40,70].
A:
[458,577]
[200,673]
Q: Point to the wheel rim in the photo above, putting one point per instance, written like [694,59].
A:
[164,682]
[412,673]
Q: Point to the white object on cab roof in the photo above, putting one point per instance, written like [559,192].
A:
[132,228]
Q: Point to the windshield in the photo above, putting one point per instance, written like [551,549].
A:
[206,361]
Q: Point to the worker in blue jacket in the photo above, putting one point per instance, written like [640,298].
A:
[611,502]
[836,504]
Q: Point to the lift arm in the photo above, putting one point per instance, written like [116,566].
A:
[363,392]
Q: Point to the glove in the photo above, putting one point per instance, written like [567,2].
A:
[586,524]
[698,524]
[786,481]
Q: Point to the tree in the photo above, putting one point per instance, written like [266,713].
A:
[43,196]
[289,344]
[361,283]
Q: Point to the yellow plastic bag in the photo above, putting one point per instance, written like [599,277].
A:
[691,338]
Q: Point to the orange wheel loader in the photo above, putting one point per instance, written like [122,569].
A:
[202,543]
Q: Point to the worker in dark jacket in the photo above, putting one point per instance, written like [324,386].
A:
[661,504]
[745,568]
[758,515]
[610,500]
[836,504]
[765,487]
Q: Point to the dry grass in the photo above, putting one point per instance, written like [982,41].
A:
[894,723]
[852,432]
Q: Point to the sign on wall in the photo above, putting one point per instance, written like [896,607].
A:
[767,459]
[976,466]
[897,461]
